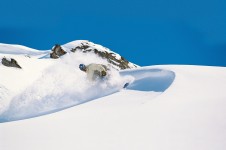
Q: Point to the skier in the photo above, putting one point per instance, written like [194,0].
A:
[94,71]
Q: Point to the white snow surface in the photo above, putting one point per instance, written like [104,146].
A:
[49,104]
[19,50]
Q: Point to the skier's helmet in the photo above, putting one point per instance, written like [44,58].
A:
[82,67]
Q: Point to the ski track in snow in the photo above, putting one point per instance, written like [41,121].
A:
[157,80]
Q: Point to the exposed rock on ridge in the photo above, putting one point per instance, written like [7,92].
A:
[10,63]
[57,51]
[111,57]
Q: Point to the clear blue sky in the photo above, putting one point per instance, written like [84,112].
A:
[146,32]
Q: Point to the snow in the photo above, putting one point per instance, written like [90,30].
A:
[19,49]
[52,85]
[169,107]
[147,79]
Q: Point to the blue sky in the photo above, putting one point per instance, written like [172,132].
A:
[146,32]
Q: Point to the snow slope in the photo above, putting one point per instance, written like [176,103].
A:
[165,107]
[19,50]
[46,85]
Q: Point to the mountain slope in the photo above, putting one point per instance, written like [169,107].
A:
[43,85]
[49,104]
[19,49]
[189,114]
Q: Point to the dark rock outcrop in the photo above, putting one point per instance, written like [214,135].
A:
[57,51]
[112,58]
[10,63]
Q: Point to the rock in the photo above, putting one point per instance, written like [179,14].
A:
[57,51]
[82,47]
[10,63]
[111,57]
